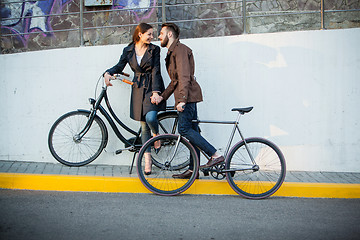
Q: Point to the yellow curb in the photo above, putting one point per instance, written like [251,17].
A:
[133,185]
[70,183]
[288,189]
[319,190]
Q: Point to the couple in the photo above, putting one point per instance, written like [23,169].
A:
[148,94]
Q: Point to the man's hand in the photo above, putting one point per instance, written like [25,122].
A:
[107,78]
[180,107]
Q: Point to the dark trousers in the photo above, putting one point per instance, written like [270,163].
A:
[190,130]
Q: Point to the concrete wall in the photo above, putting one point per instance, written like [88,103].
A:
[303,85]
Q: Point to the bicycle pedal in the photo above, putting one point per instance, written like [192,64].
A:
[118,151]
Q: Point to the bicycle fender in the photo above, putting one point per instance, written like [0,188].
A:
[160,114]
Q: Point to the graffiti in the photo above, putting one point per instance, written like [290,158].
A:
[24,17]
[144,11]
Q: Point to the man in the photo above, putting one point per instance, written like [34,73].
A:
[187,92]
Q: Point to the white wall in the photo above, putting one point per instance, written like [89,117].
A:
[303,85]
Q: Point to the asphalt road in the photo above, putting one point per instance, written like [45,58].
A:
[76,215]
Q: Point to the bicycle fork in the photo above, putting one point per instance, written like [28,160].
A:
[168,163]
[96,103]
[77,138]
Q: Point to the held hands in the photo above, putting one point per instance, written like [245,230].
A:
[156,98]
[107,78]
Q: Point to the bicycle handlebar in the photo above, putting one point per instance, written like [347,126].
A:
[125,74]
[119,77]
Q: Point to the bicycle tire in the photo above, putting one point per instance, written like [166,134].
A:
[160,181]
[168,125]
[255,184]
[75,153]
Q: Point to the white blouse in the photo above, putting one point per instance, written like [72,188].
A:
[138,59]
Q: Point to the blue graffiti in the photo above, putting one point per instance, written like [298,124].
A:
[23,17]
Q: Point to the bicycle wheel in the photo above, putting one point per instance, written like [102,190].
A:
[64,142]
[260,180]
[168,124]
[170,154]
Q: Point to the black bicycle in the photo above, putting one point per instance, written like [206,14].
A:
[77,138]
[254,167]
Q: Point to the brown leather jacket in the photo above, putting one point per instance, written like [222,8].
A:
[180,67]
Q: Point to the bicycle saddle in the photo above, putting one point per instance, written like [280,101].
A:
[242,110]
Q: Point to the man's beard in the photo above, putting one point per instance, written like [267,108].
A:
[165,41]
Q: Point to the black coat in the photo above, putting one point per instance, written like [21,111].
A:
[147,78]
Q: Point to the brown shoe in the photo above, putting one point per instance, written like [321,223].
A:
[185,175]
[213,162]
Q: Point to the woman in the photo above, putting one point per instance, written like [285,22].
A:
[144,59]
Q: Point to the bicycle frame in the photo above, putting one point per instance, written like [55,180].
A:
[109,117]
[232,134]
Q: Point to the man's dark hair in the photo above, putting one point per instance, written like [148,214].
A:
[173,28]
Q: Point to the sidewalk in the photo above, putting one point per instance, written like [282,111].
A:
[109,178]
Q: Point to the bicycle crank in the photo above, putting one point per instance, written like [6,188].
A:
[217,171]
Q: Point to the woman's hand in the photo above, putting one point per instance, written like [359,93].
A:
[107,78]
[156,98]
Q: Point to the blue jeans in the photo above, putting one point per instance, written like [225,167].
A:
[150,124]
[191,131]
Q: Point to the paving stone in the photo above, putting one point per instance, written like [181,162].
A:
[293,177]
[290,178]
[73,170]
[90,171]
[6,166]
[49,168]
[108,171]
[98,171]
[103,171]
[24,168]
[82,170]
[40,167]
[56,169]
[356,177]
[65,170]
[117,171]
[31,168]
[13,167]
[315,177]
